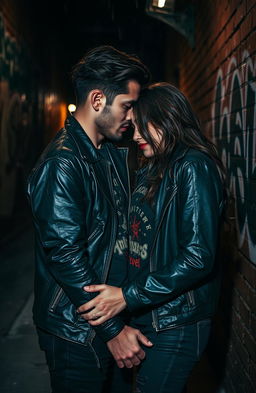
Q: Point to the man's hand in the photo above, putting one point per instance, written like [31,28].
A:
[106,305]
[125,347]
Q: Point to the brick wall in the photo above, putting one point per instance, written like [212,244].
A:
[218,76]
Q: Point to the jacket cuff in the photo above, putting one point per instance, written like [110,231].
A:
[109,329]
[131,297]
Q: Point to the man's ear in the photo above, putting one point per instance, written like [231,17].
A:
[97,99]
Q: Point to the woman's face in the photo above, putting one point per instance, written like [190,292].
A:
[146,148]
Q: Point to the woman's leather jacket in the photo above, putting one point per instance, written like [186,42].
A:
[184,280]
[71,197]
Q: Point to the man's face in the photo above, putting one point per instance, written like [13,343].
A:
[116,118]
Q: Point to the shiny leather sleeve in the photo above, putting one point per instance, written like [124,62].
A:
[59,208]
[199,198]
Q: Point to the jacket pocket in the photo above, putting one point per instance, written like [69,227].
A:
[57,295]
[96,231]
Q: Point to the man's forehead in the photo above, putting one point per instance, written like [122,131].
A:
[133,87]
[132,95]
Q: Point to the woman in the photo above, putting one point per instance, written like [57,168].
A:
[173,286]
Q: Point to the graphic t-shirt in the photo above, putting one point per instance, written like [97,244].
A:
[118,266]
[141,231]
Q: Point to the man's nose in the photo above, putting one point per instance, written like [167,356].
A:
[129,114]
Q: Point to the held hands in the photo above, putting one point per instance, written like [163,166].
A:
[125,347]
[106,305]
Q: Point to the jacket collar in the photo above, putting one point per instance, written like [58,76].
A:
[178,153]
[118,156]
[168,188]
[83,142]
[89,152]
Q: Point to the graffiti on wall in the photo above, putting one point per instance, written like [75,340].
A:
[234,132]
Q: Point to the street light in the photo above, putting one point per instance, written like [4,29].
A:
[166,4]
[178,14]
[161,3]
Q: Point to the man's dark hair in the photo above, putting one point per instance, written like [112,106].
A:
[108,69]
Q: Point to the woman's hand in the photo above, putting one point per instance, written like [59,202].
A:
[106,305]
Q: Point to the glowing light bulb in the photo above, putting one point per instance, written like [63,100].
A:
[71,108]
[161,3]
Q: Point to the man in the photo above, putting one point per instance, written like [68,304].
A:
[78,193]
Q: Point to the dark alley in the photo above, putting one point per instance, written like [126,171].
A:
[207,50]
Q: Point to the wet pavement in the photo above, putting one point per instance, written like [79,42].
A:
[22,363]
[23,368]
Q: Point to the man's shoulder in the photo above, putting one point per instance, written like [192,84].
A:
[62,145]
[60,152]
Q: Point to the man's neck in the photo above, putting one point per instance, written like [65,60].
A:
[89,128]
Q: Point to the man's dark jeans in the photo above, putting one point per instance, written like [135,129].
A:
[76,368]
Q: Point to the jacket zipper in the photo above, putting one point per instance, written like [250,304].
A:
[191,298]
[105,272]
[129,185]
[107,263]
[168,328]
[94,233]
[155,322]
[56,299]
[110,253]
[127,170]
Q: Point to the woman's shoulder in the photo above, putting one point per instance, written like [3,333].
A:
[195,162]
[195,157]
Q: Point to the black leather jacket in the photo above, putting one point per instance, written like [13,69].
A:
[183,286]
[72,202]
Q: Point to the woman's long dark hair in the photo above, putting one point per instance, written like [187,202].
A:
[170,113]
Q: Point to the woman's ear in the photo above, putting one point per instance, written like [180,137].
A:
[97,99]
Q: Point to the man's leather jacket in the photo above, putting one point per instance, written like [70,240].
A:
[183,284]
[73,207]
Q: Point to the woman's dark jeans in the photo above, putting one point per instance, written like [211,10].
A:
[77,368]
[170,361]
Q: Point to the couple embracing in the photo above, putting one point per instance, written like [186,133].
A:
[125,279]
